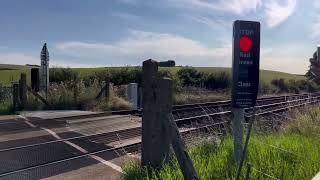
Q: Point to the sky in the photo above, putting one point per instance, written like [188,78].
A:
[82,33]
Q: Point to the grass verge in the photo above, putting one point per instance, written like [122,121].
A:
[292,153]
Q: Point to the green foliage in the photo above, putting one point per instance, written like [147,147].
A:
[293,154]
[58,75]
[294,86]
[6,107]
[169,63]
[189,76]
[220,80]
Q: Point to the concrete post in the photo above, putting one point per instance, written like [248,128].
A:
[75,93]
[133,95]
[107,91]
[15,96]
[23,89]
[318,53]
[140,97]
[237,129]
[154,145]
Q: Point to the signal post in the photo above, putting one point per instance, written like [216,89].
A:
[245,74]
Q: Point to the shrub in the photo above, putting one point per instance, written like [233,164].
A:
[169,63]
[190,77]
[294,86]
[63,74]
[217,81]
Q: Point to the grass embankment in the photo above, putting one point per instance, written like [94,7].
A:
[293,153]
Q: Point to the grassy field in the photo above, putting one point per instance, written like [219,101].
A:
[293,153]
[10,73]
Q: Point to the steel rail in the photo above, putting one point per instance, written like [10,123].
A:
[175,107]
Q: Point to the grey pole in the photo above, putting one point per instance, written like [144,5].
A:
[237,130]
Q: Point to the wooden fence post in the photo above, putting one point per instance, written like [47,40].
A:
[180,149]
[155,145]
[23,90]
[35,81]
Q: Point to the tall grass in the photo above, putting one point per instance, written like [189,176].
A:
[292,154]
[6,107]
[75,95]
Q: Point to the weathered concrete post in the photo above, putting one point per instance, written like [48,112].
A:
[44,69]
[15,96]
[133,95]
[107,91]
[237,130]
[23,90]
[154,143]
[140,96]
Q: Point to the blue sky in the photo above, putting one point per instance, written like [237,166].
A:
[92,33]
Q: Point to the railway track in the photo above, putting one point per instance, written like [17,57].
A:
[190,118]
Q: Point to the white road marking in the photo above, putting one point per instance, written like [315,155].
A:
[101,160]
[27,122]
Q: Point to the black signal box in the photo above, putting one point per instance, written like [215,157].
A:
[245,63]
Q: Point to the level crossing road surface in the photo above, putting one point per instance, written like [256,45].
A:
[26,154]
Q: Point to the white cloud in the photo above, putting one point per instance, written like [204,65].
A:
[278,11]
[213,23]
[18,58]
[315,27]
[233,6]
[142,45]
[316,3]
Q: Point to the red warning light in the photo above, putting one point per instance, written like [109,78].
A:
[245,43]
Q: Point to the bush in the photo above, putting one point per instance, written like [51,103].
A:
[190,77]
[169,63]
[58,75]
[294,86]
[217,81]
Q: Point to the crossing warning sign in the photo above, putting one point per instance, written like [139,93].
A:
[245,63]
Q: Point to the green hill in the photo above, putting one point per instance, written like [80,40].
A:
[10,73]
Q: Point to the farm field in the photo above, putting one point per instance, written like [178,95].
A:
[10,73]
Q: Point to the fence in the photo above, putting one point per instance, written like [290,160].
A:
[5,93]
[70,95]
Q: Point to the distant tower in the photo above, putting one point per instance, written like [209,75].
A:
[44,69]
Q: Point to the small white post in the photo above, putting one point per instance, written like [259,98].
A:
[133,95]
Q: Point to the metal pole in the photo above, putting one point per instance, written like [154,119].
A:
[252,118]
[237,129]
